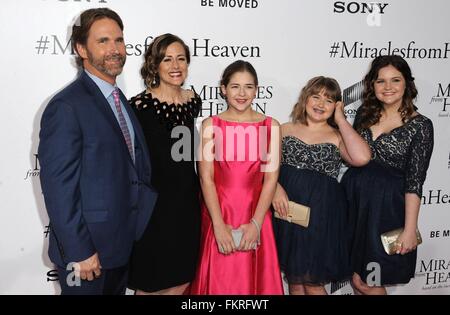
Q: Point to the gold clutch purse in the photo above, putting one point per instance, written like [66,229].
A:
[298,214]
[389,240]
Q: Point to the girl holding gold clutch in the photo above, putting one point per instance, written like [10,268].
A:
[314,144]
[385,194]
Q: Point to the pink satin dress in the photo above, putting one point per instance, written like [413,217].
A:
[238,179]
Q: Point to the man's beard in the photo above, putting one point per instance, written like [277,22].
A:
[101,64]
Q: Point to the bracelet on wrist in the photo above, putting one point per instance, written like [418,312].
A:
[258,228]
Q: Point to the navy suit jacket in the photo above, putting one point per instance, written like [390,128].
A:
[97,199]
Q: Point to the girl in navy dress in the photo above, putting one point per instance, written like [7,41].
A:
[314,144]
[385,194]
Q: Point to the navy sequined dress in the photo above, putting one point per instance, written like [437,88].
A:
[319,253]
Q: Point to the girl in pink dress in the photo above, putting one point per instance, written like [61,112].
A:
[238,172]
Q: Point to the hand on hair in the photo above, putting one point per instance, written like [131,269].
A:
[339,112]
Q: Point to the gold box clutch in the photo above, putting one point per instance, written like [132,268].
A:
[297,213]
[389,240]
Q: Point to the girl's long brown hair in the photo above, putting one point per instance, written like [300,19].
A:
[369,112]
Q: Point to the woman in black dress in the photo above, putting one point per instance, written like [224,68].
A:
[164,260]
[385,194]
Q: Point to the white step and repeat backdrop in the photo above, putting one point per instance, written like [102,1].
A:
[288,42]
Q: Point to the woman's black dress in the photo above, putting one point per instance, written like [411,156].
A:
[166,255]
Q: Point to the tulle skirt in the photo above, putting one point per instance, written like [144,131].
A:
[319,253]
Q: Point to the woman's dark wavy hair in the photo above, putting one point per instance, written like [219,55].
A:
[370,111]
[155,54]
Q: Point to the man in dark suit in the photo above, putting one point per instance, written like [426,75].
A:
[95,168]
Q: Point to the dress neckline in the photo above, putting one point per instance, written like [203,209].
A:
[383,134]
[150,95]
[313,144]
[242,122]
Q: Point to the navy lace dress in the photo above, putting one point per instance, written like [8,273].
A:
[376,196]
[167,253]
[319,253]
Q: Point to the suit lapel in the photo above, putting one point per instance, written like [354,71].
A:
[103,106]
